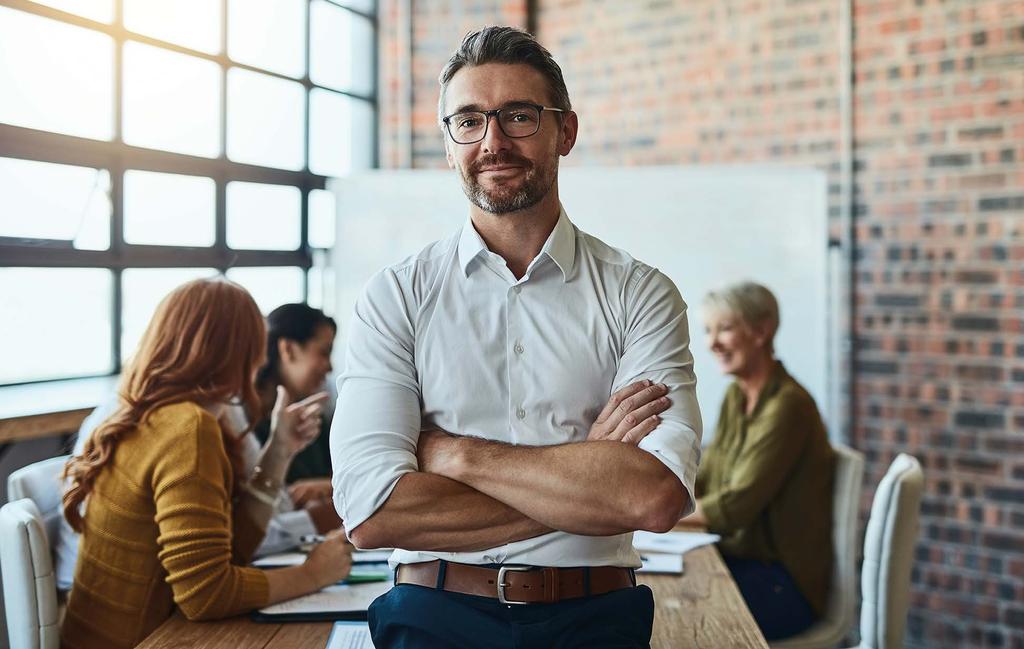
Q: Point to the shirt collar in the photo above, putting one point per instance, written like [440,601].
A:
[560,245]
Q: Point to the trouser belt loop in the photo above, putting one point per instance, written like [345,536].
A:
[442,571]
[586,581]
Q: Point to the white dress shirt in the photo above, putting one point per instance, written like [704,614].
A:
[450,338]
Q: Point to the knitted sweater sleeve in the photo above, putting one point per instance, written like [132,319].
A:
[192,493]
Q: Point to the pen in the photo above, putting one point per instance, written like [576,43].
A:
[312,538]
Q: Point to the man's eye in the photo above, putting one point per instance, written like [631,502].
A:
[469,122]
[520,117]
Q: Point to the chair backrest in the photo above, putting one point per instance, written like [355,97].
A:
[40,483]
[846,492]
[30,587]
[889,554]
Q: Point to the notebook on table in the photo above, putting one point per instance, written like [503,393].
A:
[335,602]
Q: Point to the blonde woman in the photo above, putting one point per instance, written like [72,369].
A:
[765,482]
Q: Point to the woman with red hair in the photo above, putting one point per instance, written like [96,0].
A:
[169,520]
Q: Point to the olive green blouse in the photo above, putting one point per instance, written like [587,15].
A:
[765,483]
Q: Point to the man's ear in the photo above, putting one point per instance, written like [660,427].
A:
[448,149]
[567,134]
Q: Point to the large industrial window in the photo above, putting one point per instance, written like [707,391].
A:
[147,142]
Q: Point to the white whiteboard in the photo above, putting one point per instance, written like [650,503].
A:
[703,227]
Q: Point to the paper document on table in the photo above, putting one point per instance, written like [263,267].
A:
[672,542]
[280,560]
[283,559]
[339,598]
[371,556]
[662,564]
[350,635]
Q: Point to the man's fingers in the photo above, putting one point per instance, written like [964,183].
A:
[636,434]
[618,397]
[626,411]
[637,415]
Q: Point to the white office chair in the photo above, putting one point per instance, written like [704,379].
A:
[30,586]
[837,621]
[889,555]
[28,538]
[40,483]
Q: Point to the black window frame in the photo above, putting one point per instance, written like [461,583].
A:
[117,157]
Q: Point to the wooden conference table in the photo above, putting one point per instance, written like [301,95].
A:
[702,609]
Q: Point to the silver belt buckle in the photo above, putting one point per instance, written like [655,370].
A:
[501,582]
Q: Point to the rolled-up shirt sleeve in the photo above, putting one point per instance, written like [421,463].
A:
[657,347]
[376,425]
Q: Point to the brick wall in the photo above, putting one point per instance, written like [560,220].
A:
[938,136]
[421,36]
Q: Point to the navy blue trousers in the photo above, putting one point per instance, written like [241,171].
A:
[415,617]
[772,597]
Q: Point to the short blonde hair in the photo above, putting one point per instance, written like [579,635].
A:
[749,301]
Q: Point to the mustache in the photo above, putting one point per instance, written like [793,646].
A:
[503,158]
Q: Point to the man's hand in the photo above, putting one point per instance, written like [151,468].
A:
[631,413]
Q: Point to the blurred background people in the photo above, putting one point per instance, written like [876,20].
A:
[168,515]
[765,481]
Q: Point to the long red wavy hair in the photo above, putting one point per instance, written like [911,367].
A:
[204,344]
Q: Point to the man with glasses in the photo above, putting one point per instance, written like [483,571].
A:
[470,432]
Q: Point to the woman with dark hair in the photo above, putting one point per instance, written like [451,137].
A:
[170,520]
[300,339]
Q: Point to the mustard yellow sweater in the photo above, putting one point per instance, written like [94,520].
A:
[159,532]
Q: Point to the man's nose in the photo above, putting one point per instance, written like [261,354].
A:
[494,139]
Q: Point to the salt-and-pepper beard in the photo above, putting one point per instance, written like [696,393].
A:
[536,185]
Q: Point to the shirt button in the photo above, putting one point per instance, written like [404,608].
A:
[518,348]
[520,413]
[516,289]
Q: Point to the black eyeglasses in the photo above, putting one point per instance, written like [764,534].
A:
[515,120]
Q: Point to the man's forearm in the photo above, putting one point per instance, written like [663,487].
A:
[432,512]
[591,488]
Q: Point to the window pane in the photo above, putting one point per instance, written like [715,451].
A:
[341,48]
[271,286]
[142,289]
[56,323]
[98,10]
[321,218]
[340,133]
[168,209]
[263,217]
[268,34]
[42,200]
[321,282]
[171,101]
[46,67]
[191,23]
[266,120]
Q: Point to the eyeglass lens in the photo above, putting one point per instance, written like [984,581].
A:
[514,121]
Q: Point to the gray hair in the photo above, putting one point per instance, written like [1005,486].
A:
[507,45]
[752,303]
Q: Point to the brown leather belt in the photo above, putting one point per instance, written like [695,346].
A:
[517,584]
